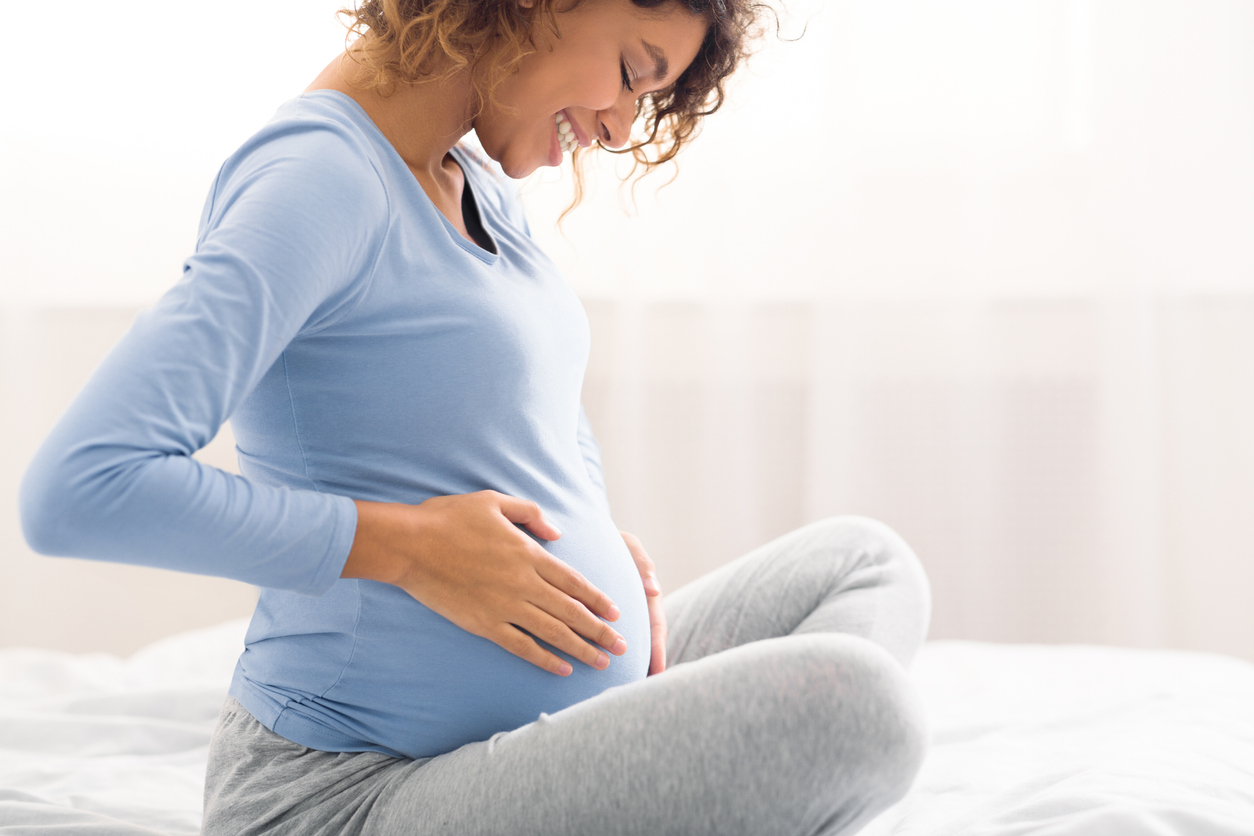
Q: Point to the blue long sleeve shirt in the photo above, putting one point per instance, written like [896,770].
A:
[362,349]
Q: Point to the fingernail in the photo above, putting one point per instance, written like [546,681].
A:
[650,584]
[602,662]
[612,614]
[619,648]
[564,669]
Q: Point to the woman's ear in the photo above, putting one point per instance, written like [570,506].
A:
[526,4]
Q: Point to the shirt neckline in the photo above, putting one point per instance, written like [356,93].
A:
[359,115]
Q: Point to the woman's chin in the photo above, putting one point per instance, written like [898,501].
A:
[517,170]
[520,165]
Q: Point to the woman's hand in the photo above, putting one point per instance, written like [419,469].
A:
[463,557]
[653,591]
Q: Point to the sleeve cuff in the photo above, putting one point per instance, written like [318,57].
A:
[343,530]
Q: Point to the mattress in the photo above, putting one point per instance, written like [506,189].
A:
[1042,740]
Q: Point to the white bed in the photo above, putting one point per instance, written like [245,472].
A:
[1041,740]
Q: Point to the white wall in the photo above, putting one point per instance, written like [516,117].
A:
[981,269]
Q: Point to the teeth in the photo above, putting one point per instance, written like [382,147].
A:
[566,135]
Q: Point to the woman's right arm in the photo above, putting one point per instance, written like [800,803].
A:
[288,240]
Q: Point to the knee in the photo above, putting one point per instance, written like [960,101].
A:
[884,559]
[873,541]
[824,729]
[895,728]
[867,714]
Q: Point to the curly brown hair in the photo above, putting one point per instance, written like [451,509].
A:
[409,40]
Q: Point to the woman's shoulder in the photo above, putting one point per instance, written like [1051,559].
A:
[318,135]
[314,151]
[317,124]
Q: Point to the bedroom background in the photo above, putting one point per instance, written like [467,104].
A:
[982,270]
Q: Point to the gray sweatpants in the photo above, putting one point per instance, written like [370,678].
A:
[785,710]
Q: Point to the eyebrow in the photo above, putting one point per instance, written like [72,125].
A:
[660,65]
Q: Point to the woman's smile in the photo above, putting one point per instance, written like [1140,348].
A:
[606,55]
[569,135]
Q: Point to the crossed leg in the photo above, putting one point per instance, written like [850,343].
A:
[786,710]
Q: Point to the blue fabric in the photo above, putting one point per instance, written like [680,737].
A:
[364,349]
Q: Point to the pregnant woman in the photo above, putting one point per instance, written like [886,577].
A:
[453,637]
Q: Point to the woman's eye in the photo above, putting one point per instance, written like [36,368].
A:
[622,65]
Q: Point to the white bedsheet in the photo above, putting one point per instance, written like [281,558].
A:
[1081,741]
[110,746]
[1049,741]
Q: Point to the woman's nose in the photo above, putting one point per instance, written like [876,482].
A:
[614,122]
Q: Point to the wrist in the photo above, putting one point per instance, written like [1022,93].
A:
[374,554]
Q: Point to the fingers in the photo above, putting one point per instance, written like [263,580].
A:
[577,586]
[544,626]
[648,571]
[653,592]
[574,615]
[487,577]
[657,633]
[528,514]
[525,648]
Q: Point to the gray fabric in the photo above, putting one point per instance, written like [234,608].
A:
[787,711]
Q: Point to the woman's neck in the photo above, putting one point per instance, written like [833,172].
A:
[422,121]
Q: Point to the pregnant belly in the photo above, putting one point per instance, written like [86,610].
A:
[421,686]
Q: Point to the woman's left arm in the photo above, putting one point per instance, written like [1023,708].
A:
[591,451]
[653,591]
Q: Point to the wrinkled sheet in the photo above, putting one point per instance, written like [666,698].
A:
[1081,741]
[101,746]
[1041,740]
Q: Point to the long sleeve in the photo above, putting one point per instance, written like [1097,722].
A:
[286,244]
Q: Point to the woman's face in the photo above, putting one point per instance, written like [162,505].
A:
[608,54]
